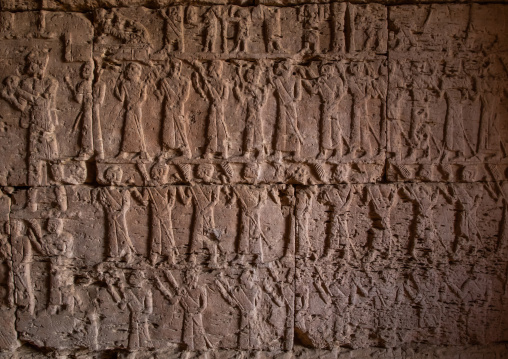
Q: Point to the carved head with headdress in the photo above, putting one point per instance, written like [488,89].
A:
[36,62]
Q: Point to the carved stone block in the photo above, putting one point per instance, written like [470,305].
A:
[46,97]
[134,268]
[377,267]
[445,109]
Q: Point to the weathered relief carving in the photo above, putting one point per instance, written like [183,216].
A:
[138,251]
[236,179]
[387,247]
[442,110]
[48,133]
[227,73]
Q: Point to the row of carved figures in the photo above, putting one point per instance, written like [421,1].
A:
[34,95]
[425,241]
[364,31]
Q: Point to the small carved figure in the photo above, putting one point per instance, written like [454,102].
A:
[22,263]
[272,29]
[212,87]
[331,89]
[246,296]
[303,206]
[174,39]
[139,300]
[161,201]
[204,198]
[115,201]
[339,200]
[58,246]
[311,17]
[83,95]
[174,91]
[193,299]
[242,17]
[132,91]
[252,96]
[288,91]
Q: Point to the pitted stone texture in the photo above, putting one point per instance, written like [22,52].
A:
[46,97]
[447,81]
[115,268]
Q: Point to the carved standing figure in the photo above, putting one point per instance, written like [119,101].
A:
[288,91]
[132,91]
[331,89]
[252,96]
[339,200]
[193,299]
[272,30]
[246,296]
[38,91]
[212,87]
[115,201]
[139,299]
[58,246]
[174,90]
[83,95]
[174,39]
[161,200]
[204,199]
[22,263]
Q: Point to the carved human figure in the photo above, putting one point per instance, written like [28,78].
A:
[22,264]
[99,95]
[174,91]
[338,21]
[174,39]
[252,96]
[474,293]
[213,21]
[212,87]
[454,134]
[467,201]
[83,94]
[303,205]
[139,299]
[272,30]
[491,92]
[193,298]
[388,294]
[339,200]
[251,200]
[57,245]
[427,296]
[330,88]
[383,200]
[359,143]
[247,297]
[242,17]
[115,202]
[131,90]
[204,199]
[160,199]
[281,290]
[425,199]
[38,90]
[421,89]
[288,91]
[310,16]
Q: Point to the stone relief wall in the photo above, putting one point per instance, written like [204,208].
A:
[278,180]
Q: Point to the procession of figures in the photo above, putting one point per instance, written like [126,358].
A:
[250,177]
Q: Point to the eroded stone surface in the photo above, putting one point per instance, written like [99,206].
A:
[448,80]
[238,179]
